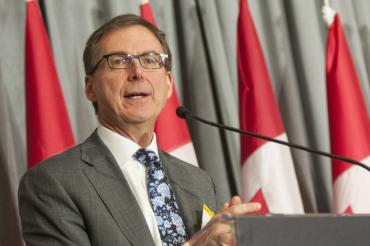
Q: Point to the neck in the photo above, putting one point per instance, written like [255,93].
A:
[143,137]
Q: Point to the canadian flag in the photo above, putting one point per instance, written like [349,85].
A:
[267,171]
[349,123]
[172,133]
[48,128]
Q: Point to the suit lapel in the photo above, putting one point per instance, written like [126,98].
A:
[190,204]
[113,189]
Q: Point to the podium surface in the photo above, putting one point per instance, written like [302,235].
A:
[303,230]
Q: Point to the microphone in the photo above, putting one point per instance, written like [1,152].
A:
[184,113]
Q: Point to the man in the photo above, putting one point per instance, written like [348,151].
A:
[117,188]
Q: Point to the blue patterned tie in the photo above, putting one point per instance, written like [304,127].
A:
[165,208]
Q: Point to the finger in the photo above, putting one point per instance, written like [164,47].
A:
[244,208]
[235,200]
[224,207]
[220,222]
[211,233]
[224,218]
[226,239]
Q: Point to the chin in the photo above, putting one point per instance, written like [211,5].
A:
[140,118]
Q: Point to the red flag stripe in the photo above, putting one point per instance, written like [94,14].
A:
[172,132]
[348,210]
[179,134]
[349,125]
[267,172]
[147,13]
[348,117]
[259,197]
[258,110]
[48,128]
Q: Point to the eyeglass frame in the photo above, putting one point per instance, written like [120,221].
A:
[106,57]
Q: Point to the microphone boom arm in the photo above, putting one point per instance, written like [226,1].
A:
[185,114]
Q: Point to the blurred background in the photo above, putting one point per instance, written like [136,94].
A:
[203,38]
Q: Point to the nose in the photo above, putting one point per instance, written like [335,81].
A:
[135,71]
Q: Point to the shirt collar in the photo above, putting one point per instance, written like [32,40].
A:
[122,147]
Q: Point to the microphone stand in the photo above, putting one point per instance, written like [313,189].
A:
[184,113]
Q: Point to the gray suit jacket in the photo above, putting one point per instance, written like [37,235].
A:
[80,197]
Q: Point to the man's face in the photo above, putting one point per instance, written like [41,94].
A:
[133,96]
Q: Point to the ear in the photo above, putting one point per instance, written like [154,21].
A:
[169,83]
[89,88]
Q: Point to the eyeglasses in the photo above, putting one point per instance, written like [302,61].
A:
[124,61]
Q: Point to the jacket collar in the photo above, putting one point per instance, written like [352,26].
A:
[109,182]
[114,191]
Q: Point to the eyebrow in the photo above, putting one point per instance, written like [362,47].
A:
[127,53]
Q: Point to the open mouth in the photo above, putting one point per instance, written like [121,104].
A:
[136,95]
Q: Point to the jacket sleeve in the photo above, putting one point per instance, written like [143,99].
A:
[48,214]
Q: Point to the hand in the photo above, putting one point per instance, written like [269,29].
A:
[219,230]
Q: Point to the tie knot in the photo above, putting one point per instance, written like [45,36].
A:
[146,157]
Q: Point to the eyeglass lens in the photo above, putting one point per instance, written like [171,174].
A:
[150,61]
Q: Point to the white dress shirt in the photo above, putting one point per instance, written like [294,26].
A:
[123,149]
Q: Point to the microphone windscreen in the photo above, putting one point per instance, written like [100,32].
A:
[183,113]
